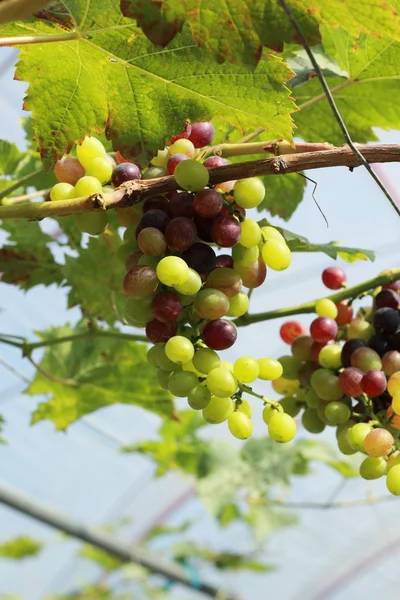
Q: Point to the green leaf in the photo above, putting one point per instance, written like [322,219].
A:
[19,548]
[161,530]
[118,81]
[26,260]
[265,520]
[283,194]
[300,63]
[10,157]
[103,559]
[229,513]
[326,454]
[100,371]
[222,560]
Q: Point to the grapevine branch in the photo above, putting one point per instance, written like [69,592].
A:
[361,155]
[135,191]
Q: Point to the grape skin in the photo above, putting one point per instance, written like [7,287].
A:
[240,425]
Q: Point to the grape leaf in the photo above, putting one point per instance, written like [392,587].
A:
[300,63]
[367,99]
[10,157]
[113,77]
[283,194]
[222,560]
[236,30]
[100,371]
[19,548]
[25,260]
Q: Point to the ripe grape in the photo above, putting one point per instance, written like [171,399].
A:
[250,233]
[192,284]
[270,369]
[202,133]
[154,218]
[269,411]
[360,329]
[246,369]
[158,332]
[181,205]
[357,434]
[291,330]
[396,404]
[224,261]
[152,242]
[179,349]
[225,231]
[62,191]
[203,227]
[337,413]
[366,359]
[200,257]
[326,308]
[220,334]
[281,427]
[225,280]
[393,480]
[211,304]
[301,346]
[378,442]
[174,161]
[180,383]
[100,168]
[391,362]
[393,459]
[225,186]
[92,223]
[139,282]
[89,149]
[345,313]
[199,397]
[386,320]
[238,305]
[350,381]
[190,175]
[180,234]
[217,410]
[214,161]
[132,259]
[387,298]
[208,203]
[276,255]
[68,170]
[85,186]
[373,467]
[311,421]
[245,257]
[253,276]
[330,356]
[323,329]
[182,146]
[393,384]
[205,360]
[125,172]
[271,233]
[334,278]
[348,349]
[172,270]
[166,306]
[240,425]
[249,193]
[374,383]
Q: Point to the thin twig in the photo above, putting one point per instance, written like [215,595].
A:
[23,181]
[325,506]
[67,382]
[25,197]
[333,106]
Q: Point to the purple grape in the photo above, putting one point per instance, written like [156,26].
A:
[225,231]
[202,134]
[204,228]
[215,161]
[379,344]
[158,332]
[174,161]
[395,340]
[208,203]
[181,205]
[224,261]
[125,172]
[166,306]
[349,347]
[154,218]
[157,203]
[219,334]
[386,320]
[181,234]
[200,257]
[388,298]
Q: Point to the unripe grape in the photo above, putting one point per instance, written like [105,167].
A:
[357,434]
[249,193]
[311,421]
[221,382]
[89,149]
[61,191]
[238,305]
[179,349]
[218,410]
[373,467]
[199,397]
[393,480]
[245,407]
[246,369]
[180,383]
[240,425]
[182,146]
[268,412]
[270,369]
[282,427]
[250,233]
[326,308]
[378,442]
[172,270]
[276,255]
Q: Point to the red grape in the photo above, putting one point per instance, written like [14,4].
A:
[345,313]
[219,334]
[158,332]
[290,330]
[203,228]
[225,280]
[166,306]
[252,276]
[157,202]
[334,278]
[154,218]
[180,234]
[202,134]
[125,172]
[349,347]
[181,205]
[225,231]
[208,203]
[379,343]
[174,161]
[323,329]
[388,298]
[214,161]
[374,383]
[395,286]
[68,170]
[200,257]
[350,381]
[141,281]
[391,362]
[224,260]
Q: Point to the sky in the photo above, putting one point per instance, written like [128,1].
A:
[332,554]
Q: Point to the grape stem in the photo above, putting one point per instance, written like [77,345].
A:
[276,147]
[133,192]
[384,278]
[248,390]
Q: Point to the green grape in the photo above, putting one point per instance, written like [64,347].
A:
[357,434]
[393,480]
[240,425]
[199,397]
[191,175]
[290,366]
[125,250]
[89,149]
[129,235]
[245,407]
[186,300]
[290,406]
[189,366]
[154,173]
[150,261]
[373,467]
[329,356]
[393,459]
[326,308]
[85,186]
[164,362]
[139,310]
[238,305]
[221,382]
[344,428]
[393,385]
[311,421]
[163,378]
[92,223]
[211,304]
[205,360]
[152,356]
[134,323]
[227,365]
[182,146]
[281,428]
[285,387]
[172,270]
[270,369]
[246,369]
[268,412]
[100,168]
[326,384]
[179,349]
[276,255]
[271,233]
[360,329]
[337,413]
[61,191]
[181,382]
[161,159]
[243,256]
[191,286]
[344,445]
[312,399]
[249,193]
[218,409]
[250,233]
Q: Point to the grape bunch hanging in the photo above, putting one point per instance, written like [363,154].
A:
[181,287]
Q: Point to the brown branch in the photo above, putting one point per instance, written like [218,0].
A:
[135,191]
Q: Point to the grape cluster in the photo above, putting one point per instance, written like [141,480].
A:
[181,289]
[346,373]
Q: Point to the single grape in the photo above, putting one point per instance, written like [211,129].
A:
[285,387]
[180,234]
[245,407]
[208,203]
[190,175]
[224,261]
[100,168]
[189,366]
[311,421]
[93,223]
[249,193]
[220,334]
[164,362]
[290,366]
[291,330]
[211,304]
[350,381]
[205,360]
[127,217]
[396,404]
[139,310]
[360,329]
[374,383]
[152,356]
[152,242]
[154,173]
[386,320]
[125,172]
[269,411]
[182,146]
[393,480]
[271,233]
[238,305]
[345,313]
[328,388]
[166,306]
[225,231]
[330,357]
[192,284]
[225,187]
[334,278]
[337,413]
[253,276]
[312,399]
[89,149]
[179,349]
[202,133]
[357,434]
[246,369]
[240,425]
[290,406]
[158,332]
[373,467]
[199,397]
[366,359]
[250,233]
[200,257]
[154,218]
[393,385]
[214,161]
[62,191]
[162,378]
[270,369]
[180,383]
[225,280]
[281,428]
[391,362]
[218,410]
[139,282]
[157,203]
[387,298]
[85,186]
[326,308]
[245,257]
[378,442]
[393,459]
[172,270]
[68,170]
[276,255]
[203,227]
[323,329]
[348,349]
[181,205]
